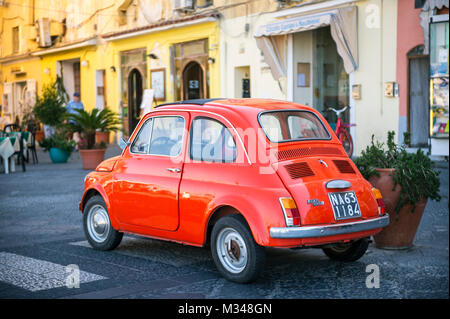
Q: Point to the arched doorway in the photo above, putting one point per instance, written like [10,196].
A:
[193,81]
[135,87]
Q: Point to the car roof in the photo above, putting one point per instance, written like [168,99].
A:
[236,105]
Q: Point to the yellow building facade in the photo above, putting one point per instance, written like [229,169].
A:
[112,53]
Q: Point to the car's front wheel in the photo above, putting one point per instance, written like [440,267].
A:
[351,251]
[97,225]
[236,254]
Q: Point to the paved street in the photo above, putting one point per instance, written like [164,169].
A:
[41,233]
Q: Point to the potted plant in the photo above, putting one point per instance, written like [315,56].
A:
[49,108]
[87,123]
[58,146]
[110,123]
[406,180]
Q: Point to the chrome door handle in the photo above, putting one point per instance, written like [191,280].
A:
[174,170]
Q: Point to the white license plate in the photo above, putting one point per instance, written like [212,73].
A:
[345,205]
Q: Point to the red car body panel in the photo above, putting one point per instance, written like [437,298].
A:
[145,198]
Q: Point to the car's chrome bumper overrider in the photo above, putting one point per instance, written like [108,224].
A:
[329,230]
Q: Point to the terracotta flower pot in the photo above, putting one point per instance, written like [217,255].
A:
[39,136]
[385,184]
[91,158]
[400,232]
[102,137]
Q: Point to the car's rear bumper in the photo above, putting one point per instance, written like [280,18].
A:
[329,230]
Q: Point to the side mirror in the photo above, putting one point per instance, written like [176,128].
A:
[123,144]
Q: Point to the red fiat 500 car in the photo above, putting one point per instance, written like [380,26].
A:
[238,174]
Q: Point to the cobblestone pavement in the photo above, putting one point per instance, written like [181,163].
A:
[41,233]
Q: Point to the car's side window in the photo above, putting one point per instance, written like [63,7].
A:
[211,141]
[141,142]
[167,135]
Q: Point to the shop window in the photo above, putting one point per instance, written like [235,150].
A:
[439,45]
[76,77]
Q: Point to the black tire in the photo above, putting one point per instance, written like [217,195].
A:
[255,254]
[112,237]
[347,252]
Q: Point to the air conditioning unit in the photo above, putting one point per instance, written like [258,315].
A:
[184,5]
[43,33]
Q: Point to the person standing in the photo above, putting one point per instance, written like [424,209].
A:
[75,104]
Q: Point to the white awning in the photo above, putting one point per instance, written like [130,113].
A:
[271,39]
[425,14]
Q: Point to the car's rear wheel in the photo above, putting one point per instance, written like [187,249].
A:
[351,251]
[236,254]
[97,225]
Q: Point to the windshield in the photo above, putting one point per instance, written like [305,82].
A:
[285,126]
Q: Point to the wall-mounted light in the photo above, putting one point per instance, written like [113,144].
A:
[152,56]
[211,60]
[46,71]
[84,63]
[112,68]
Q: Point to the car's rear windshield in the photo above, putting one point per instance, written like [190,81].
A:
[286,126]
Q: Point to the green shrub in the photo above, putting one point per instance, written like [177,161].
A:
[49,108]
[414,172]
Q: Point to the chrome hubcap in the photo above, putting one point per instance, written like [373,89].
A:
[231,250]
[98,223]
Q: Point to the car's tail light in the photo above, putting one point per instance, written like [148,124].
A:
[290,210]
[381,206]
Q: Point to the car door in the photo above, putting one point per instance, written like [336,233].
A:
[147,177]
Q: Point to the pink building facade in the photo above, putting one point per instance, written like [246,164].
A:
[422,74]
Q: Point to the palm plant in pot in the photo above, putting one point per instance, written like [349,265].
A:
[110,123]
[406,181]
[87,123]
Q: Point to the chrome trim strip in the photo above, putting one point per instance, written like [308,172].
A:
[329,230]
[338,183]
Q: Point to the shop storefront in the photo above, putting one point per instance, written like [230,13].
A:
[313,56]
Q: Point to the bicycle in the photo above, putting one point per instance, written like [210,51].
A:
[342,132]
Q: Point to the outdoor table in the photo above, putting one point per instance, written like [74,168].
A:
[26,137]
[6,152]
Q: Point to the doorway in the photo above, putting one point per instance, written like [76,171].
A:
[330,81]
[418,107]
[318,78]
[70,72]
[191,69]
[193,81]
[135,88]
